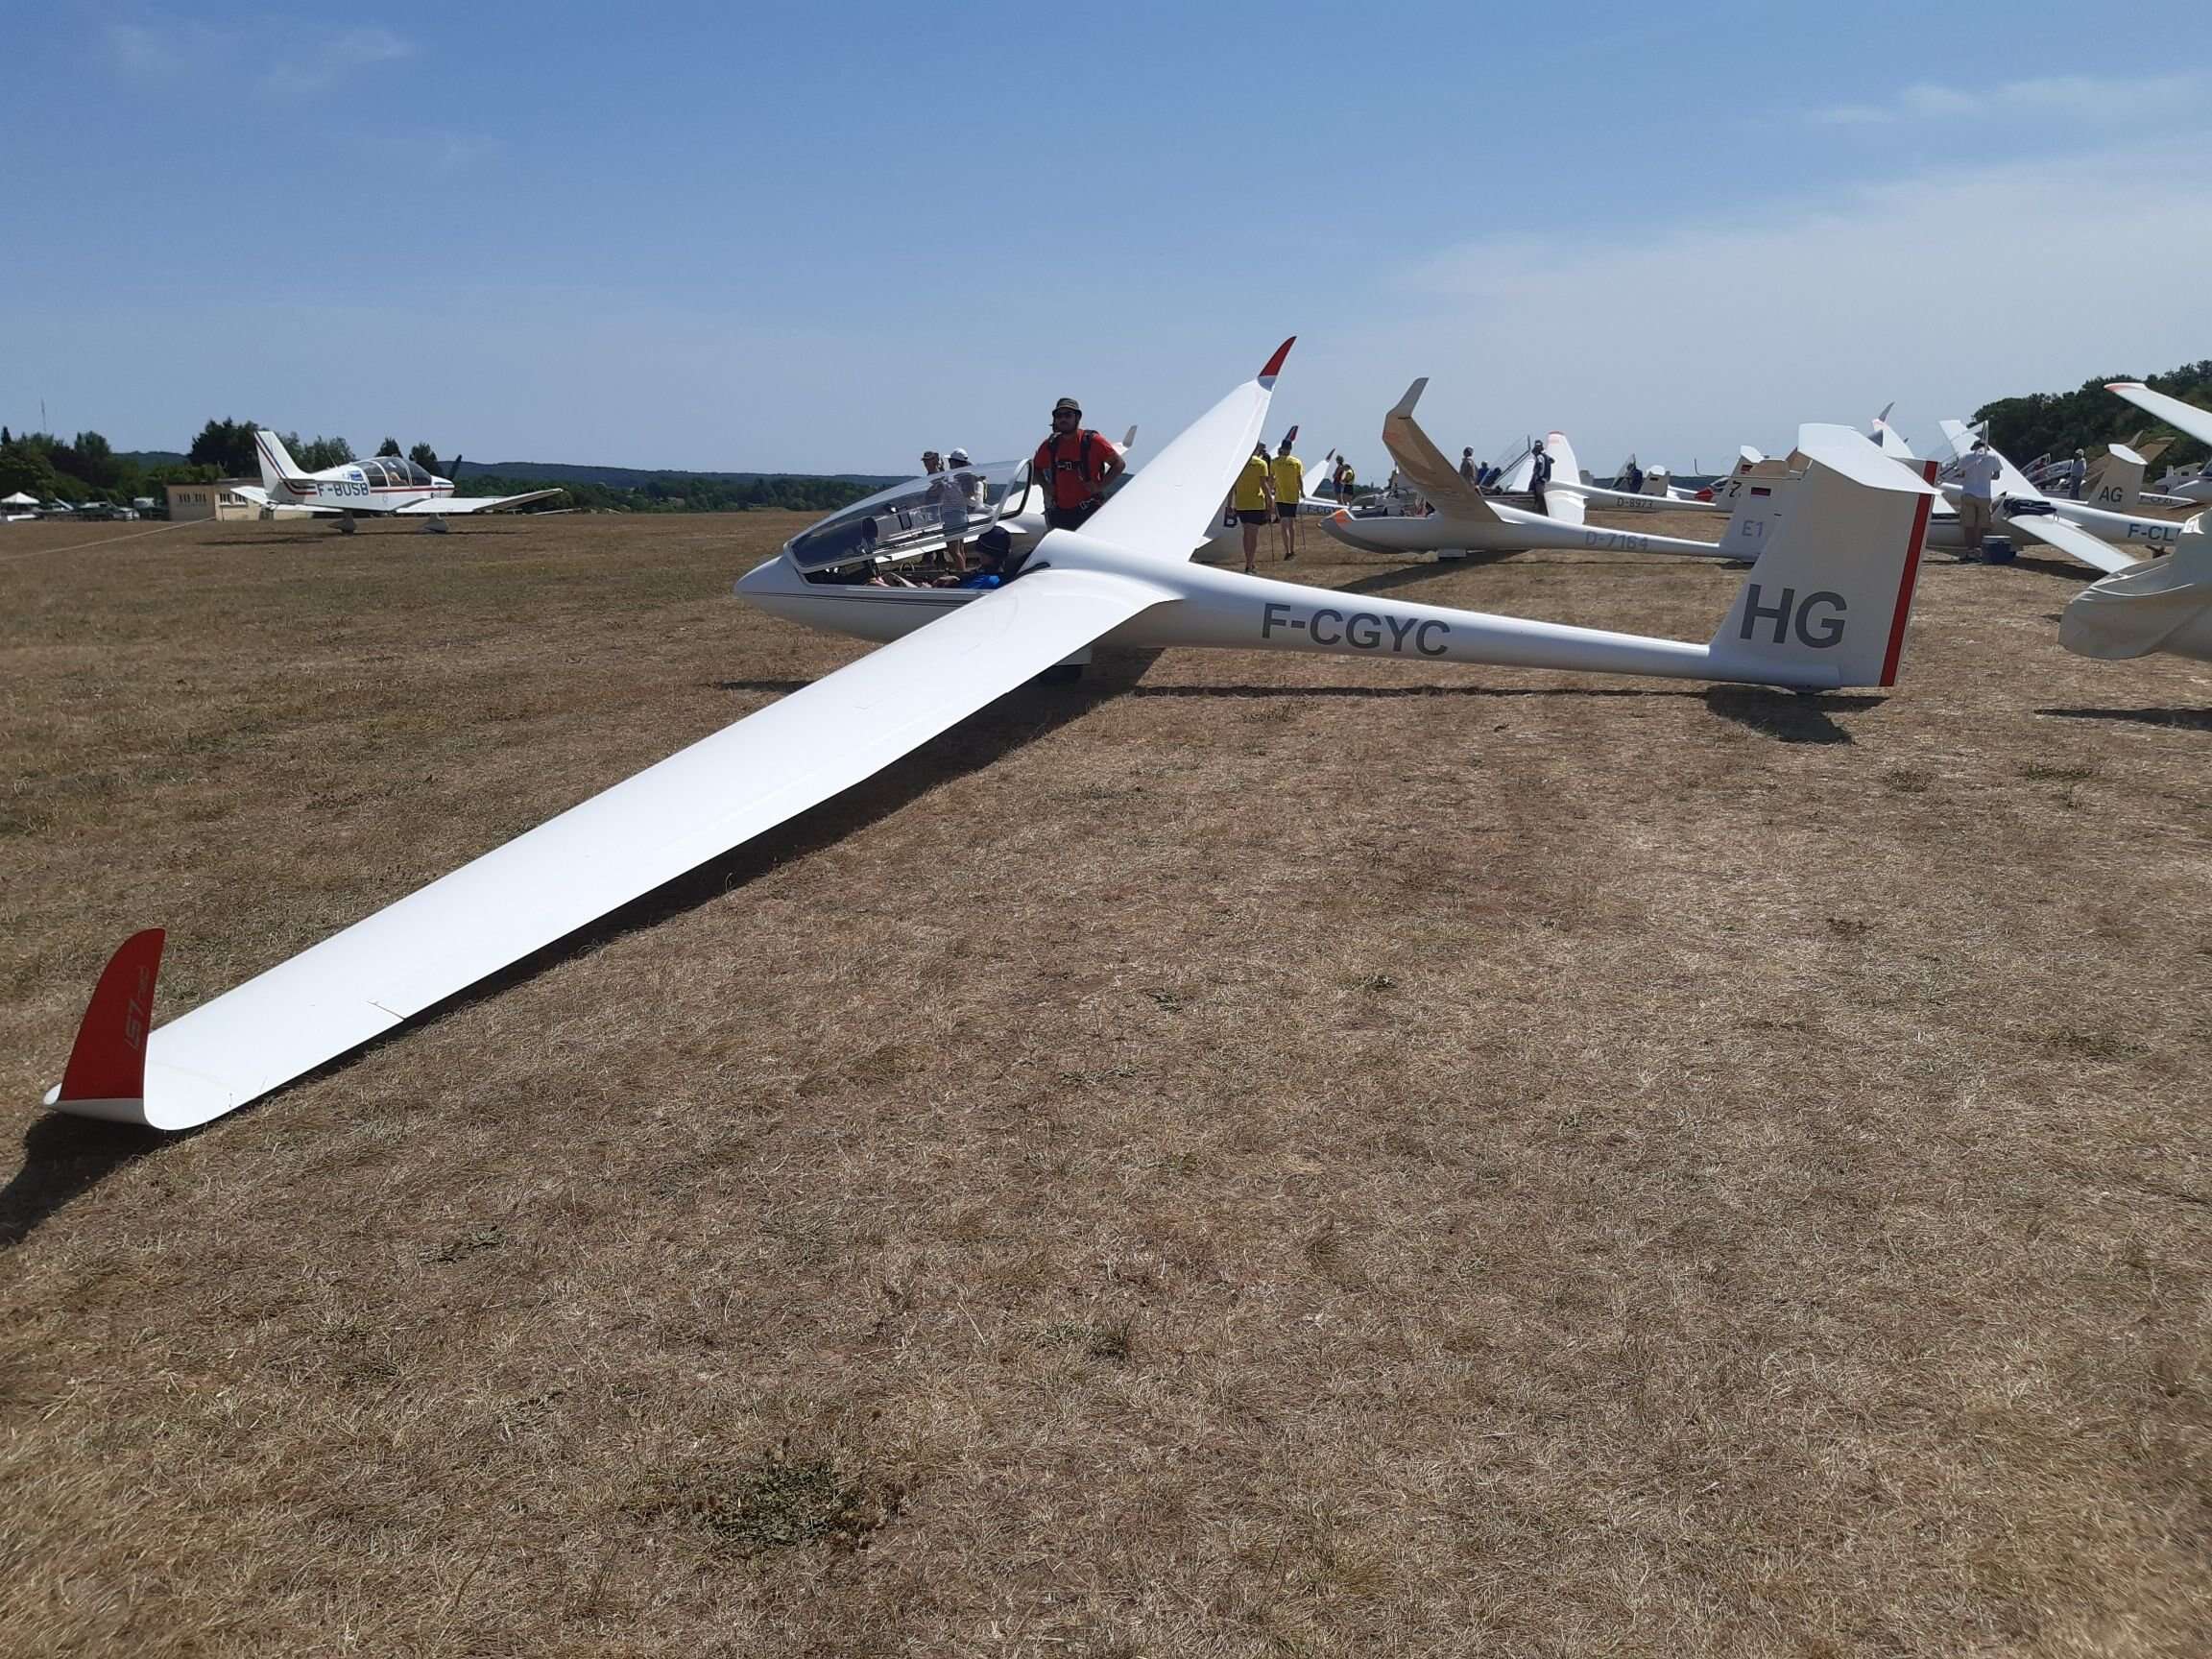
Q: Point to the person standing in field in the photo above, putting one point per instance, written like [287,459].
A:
[1469,472]
[1253,501]
[1978,475]
[1074,465]
[1346,482]
[1540,475]
[1288,473]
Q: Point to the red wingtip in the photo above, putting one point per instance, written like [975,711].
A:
[2128,385]
[108,1062]
[1275,363]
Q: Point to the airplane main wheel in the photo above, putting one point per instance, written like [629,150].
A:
[347,526]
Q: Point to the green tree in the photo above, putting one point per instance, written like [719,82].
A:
[25,469]
[228,447]
[390,447]
[425,457]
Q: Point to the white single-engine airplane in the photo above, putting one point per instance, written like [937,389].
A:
[383,485]
[1825,608]
[1467,520]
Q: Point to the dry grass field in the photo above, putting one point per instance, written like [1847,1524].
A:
[1243,1156]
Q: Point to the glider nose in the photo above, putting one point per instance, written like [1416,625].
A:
[758,581]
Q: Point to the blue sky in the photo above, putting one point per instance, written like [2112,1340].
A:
[822,237]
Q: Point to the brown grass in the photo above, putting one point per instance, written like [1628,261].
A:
[1246,1156]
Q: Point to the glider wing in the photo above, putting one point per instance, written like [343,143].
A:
[2183,417]
[1420,460]
[2070,538]
[1163,512]
[694,806]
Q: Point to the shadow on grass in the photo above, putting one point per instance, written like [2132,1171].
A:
[1390,691]
[2179,719]
[1789,716]
[65,1157]
[1400,575]
[325,537]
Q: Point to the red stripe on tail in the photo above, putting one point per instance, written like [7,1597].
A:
[1275,363]
[1903,610]
[108,1062]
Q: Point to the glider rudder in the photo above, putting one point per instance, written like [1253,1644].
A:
[106,1073]
[1827,602]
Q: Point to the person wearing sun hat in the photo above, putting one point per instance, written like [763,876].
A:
[1074,466]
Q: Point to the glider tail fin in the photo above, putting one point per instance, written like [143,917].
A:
[2115,482]
[1827,603]
[278,471]
[1753,494]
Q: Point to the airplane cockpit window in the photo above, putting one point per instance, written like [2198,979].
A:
[417,474]
[374,471]
[914,516]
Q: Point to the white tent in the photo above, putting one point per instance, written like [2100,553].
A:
[18,499]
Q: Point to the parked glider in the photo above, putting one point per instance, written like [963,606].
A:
[2150,607]
[382,486]
[1826,608]
[1467,520]
[2086,532]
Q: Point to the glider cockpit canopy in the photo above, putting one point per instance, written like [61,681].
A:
[912,516]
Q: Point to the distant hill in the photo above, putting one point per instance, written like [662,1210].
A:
[638,477]
[146,460]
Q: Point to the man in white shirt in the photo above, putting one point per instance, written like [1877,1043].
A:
[1978,475]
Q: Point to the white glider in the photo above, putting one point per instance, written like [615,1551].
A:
[1825,608]
[1467,520]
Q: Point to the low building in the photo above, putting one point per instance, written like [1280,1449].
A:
[217,500]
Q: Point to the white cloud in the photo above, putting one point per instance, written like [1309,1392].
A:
[2122,99]
[313,62]
[1941,292]
[306,59]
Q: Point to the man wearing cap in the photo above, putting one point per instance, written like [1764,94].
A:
[1074,465]
[1979,470]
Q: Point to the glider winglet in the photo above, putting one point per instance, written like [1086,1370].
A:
[1275,363]
[108,1064]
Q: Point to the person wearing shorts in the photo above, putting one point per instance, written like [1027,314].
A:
[1288,474]
[1978,475]
[1253,499]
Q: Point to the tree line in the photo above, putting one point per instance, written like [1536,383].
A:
[2088,418]
[87,468]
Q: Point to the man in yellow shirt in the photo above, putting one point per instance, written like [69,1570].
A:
[1253,499]
[1288,473]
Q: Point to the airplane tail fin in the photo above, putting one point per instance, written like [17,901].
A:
[1753,494]
[2115,482]
[1832,591]
[278,468]
[1129,439]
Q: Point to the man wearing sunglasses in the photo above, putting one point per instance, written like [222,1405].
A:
[1074,465]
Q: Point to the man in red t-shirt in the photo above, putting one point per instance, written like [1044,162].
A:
[1074,465]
